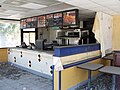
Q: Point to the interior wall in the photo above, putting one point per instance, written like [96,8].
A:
[102,28]
[52,34]
[43,33]
[48,34]
[116,32]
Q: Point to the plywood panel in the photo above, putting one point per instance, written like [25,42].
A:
[3,55]
[116,33]
[56,80]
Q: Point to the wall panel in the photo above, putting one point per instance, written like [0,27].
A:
[3,55]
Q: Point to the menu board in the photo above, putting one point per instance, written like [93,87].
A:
[34,20]
[49,20]
[23,23]
[28,22]
[41,21]
[57,19]
[31,22]
[63,18]
[69,18]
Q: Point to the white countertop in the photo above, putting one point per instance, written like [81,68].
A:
[51,52]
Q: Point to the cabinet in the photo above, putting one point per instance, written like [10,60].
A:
[35,61]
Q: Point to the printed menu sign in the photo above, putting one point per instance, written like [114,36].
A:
[28,22]
[57,19]
[69,18]
[41,21]
[49,20]
[23,23]
[31,22]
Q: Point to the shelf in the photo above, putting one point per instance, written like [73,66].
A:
[67,37]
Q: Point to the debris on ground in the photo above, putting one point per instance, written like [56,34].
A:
[13,78]
[11,72]
[103,82]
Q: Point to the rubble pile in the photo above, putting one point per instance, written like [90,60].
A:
[10,72]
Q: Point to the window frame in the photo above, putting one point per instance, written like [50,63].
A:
[36,34]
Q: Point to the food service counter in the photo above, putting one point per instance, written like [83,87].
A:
[65,60]
[68,56]
[60,64]
[37,62]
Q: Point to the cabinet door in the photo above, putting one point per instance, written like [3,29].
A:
[10,56]
[28,59]
[13,56]
[17,57]
[42,63]
[32,60]
[21,58]
[37,63]
[47,63]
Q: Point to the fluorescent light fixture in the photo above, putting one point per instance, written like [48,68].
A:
[33,6]
[29,29]
[64,0]
[15,2]
[1,1]
[11,12]
[16,16]
[3,16]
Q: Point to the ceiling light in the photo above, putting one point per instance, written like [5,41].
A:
[64,0]
[16,16]
[1,1]
[33,6]
[11,12]
[15,2]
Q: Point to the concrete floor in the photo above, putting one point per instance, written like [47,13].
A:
[12,78]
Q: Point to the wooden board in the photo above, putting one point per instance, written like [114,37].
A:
[3,55]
